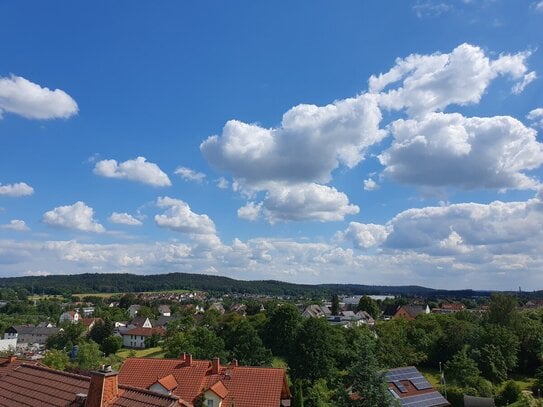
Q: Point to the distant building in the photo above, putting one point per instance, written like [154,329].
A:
[164,310]
[449,308]
[316,311]
[135,337]
[30,334]
[70,316]
[410,312]
[133,310]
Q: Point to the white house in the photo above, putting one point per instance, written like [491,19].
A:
[70,316]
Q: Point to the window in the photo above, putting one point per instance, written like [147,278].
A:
[209,403]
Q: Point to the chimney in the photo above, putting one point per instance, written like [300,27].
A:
[188,360]
[103,387]
[215,365]
[12,358]
[183,356]
[234,363]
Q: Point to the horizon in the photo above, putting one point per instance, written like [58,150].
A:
[309,143]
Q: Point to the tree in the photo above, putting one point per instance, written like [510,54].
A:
[244,344]
[504,339]
[492,363]
[509,394]
[69,335]
[462,370]
[394,348]
[89,355]
[312,358]
[335,304]
[112,344]
[368,383]
[101,330]
[317,394]
[281,329]
[502,310]
[370,306]
[55,359]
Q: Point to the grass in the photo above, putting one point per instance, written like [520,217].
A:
[156,352]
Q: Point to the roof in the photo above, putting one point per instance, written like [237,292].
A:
[31,385]
[35,330]
[145,331]
[245,386]
[413,310]
[89,321]
[8,364]
[470,401]
[168,382]
[412,388]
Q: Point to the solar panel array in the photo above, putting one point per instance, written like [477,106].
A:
[425,400]
[408,373]
[400,387]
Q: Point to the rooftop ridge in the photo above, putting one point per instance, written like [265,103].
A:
[209,361]
[148,392]
[48,369]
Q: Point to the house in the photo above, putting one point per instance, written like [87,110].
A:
[164,310]
[410,312]
[217,306]
[316,311]
[133,310]
[135,337]
[30,334]
[8,345]
[449,308]
[88,323]
[143,322]
[26,384]
[411,388]
[221,386]
[70,316]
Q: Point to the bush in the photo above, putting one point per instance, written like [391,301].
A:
[510,393]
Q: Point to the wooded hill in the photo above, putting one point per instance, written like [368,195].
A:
[113,283]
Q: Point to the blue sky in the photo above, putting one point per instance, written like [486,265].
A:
[360,142]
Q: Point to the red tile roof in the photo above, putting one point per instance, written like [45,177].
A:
[32,385]
[245,386]
[219,389]
[168,382]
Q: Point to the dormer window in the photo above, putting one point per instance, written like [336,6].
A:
[209,403]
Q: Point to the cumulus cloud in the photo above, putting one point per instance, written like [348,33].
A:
[429,83]
[430,8]
[370,185]
[485,230]
[363,235]
[124,219]
[251,211]
[190,175]
[301,153]
[27,99]
[179,217]
[78,216]
[451,150]
[308,145]
[16,190]
[536,116]
[16,225]
[138,169]
[308,201]
[538,6]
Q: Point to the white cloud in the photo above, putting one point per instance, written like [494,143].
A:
[190,175]
[536,116]
[539,6]
[370,185]
[16,225]
[310,143]
[430,8]
[223,183]
[124,219]
[292,162]
[179,217]
[429,83]
[251,211]
[308,201]
[138,169]
[363,235]
[452,150]
[24,98]
[78,216]
[15,190]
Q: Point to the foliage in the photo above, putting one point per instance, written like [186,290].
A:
[510,393]
[89,356]
[56,359]
[335,304]
[281,328]
[369,305]
[67,337]
[243,343]
[394,348]
[492,363]
[112,344]
[317,394]
[462,370]
[502,309]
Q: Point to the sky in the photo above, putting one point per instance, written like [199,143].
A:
[364,142]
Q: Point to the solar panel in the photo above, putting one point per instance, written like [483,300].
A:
[421,383]
[400,387]
[424,400]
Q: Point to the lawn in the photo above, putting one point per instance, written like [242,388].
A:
[155,352]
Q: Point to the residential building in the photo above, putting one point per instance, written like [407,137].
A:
[410,312]
[221,386]
[27,384]
[316,311]
[135,338]
[411,388]
[70,316]
[133,310]
[164,310]
[30,334]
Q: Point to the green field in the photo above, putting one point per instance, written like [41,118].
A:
[142,353]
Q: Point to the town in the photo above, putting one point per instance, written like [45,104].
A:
[246,350]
